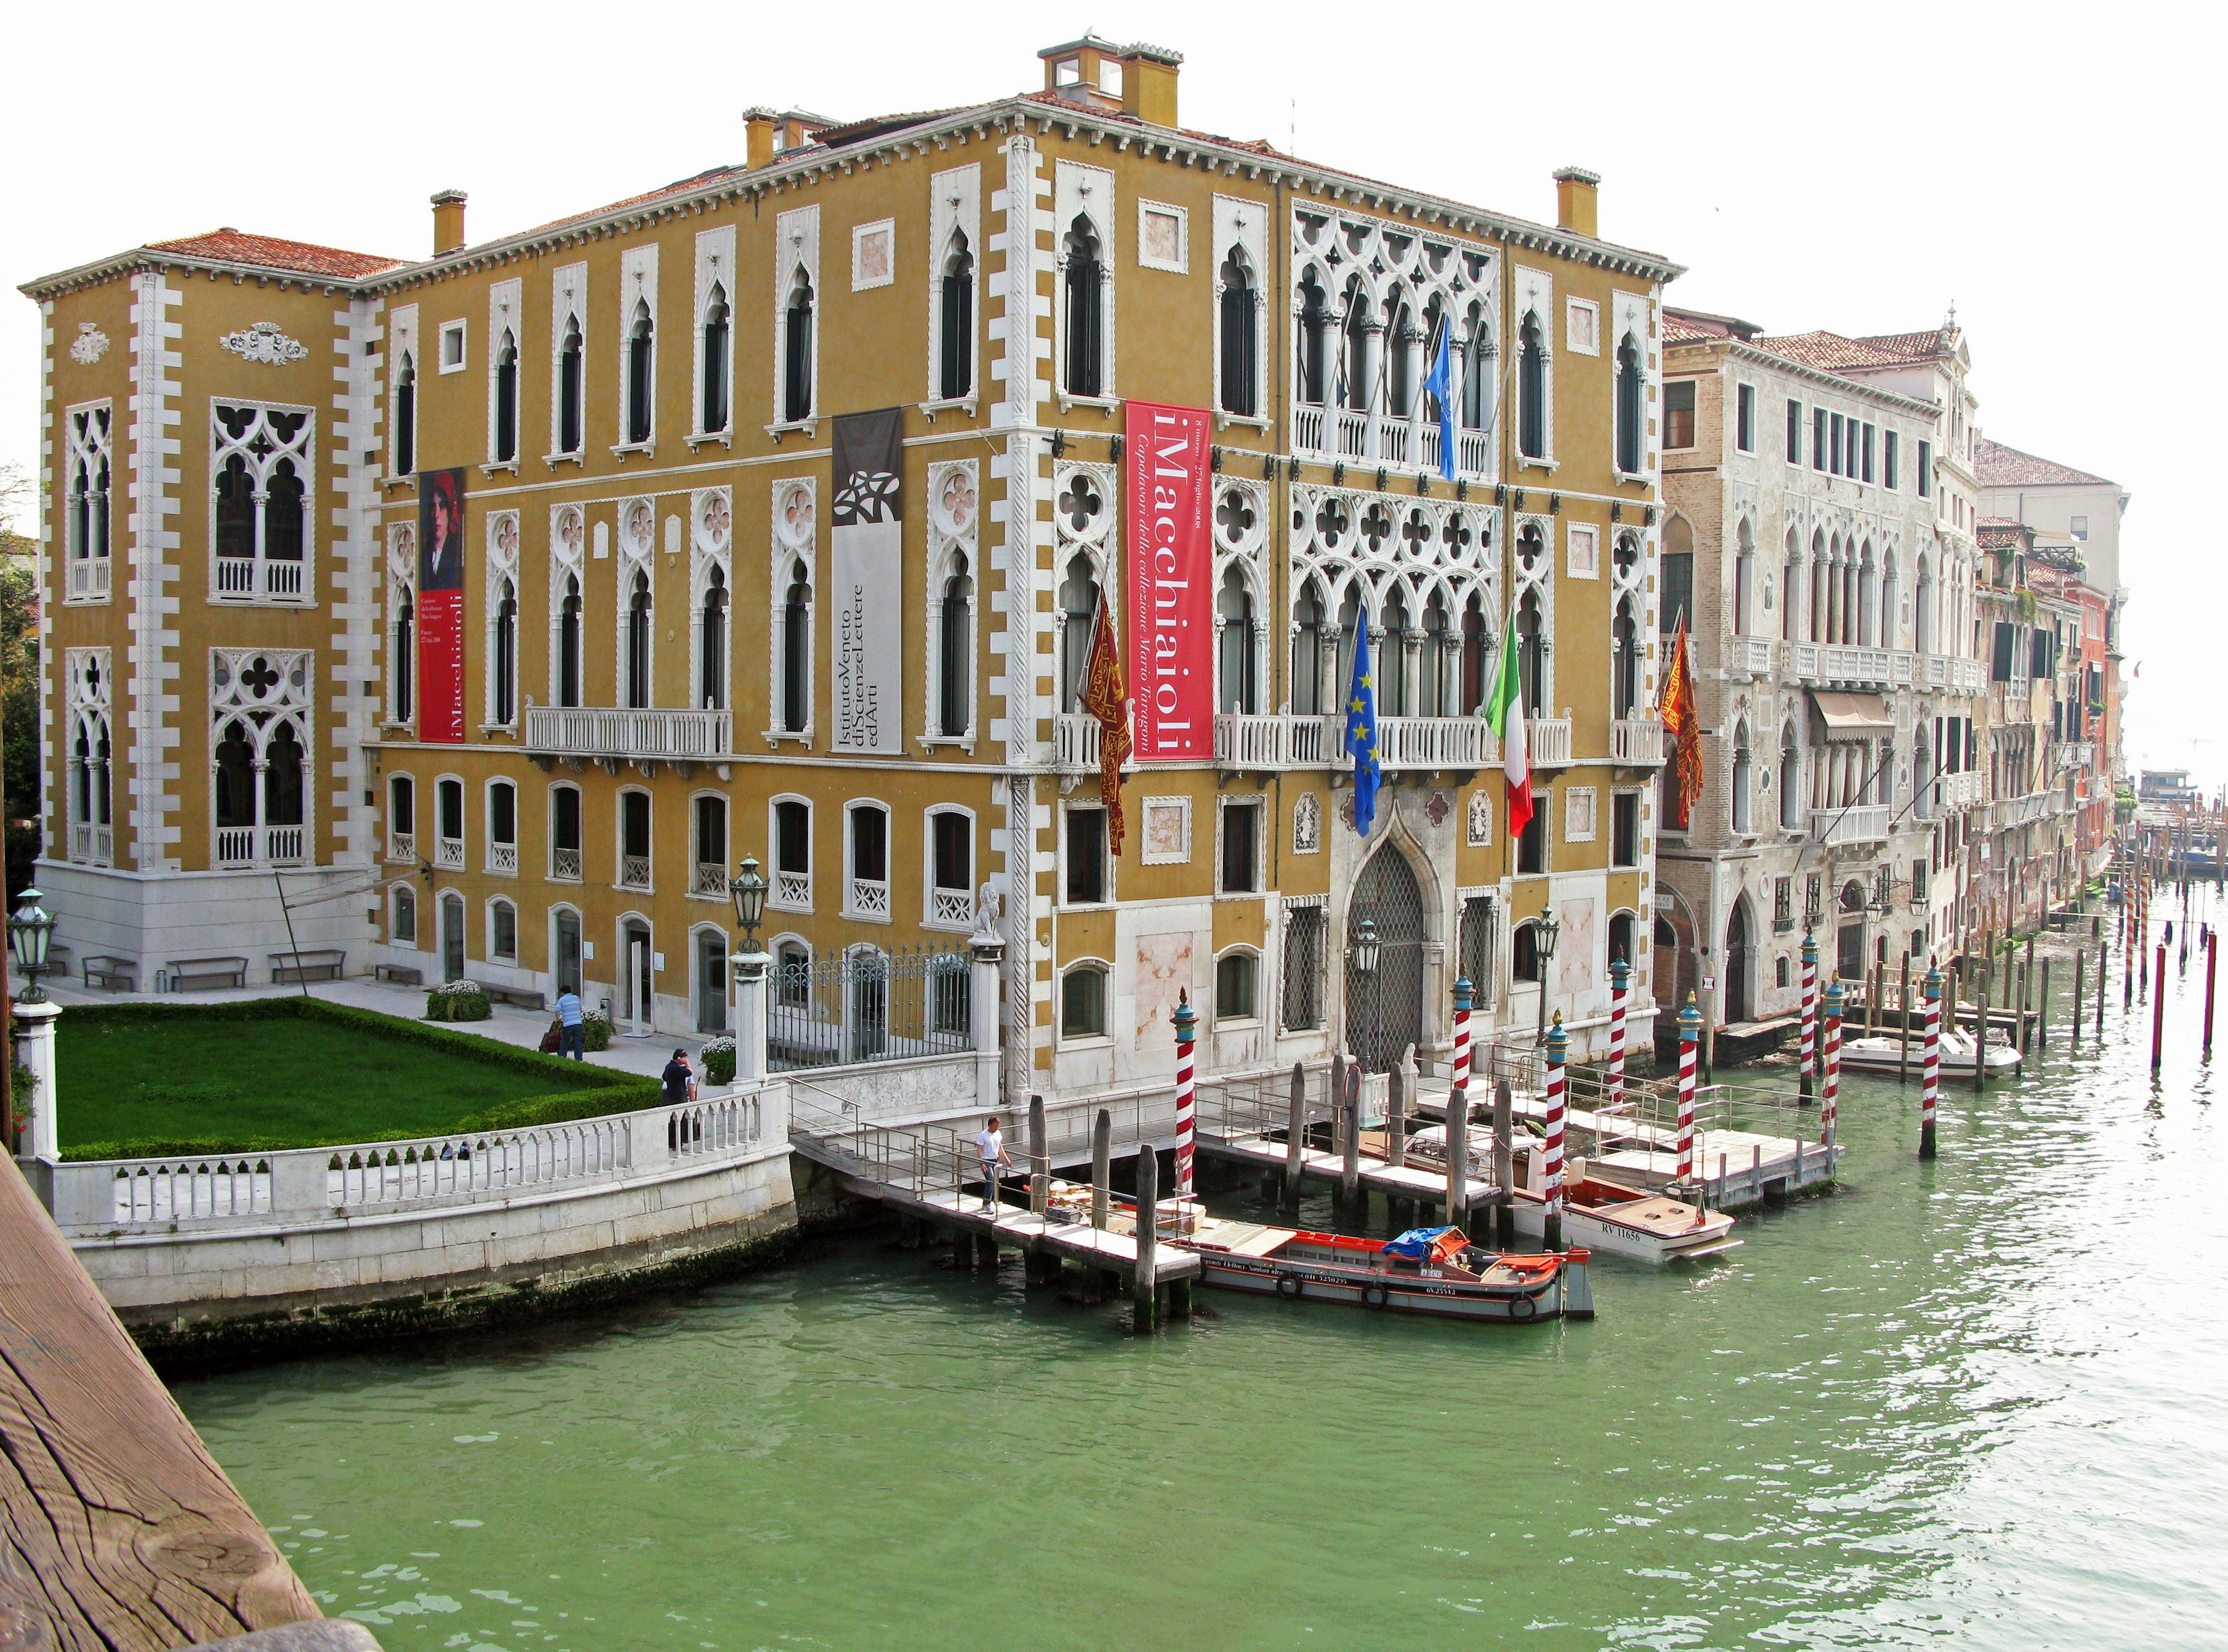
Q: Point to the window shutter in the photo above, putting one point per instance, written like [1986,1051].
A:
[2000,667]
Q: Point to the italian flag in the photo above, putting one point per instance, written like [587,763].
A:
[1504,712]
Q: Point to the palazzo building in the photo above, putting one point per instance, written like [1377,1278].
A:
[1821,489]
[491,606]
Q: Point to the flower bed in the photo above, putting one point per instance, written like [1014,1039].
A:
[457,1000]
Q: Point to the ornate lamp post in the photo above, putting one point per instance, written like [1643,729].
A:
[30,935]
[748,888]
[1546,933]
[1366,953]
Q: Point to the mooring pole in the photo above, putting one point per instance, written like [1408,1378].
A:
[1295,1139]
[2211,957]
[1875,984]
[2080,991]
[2042,1011]
[1559,1046]
[1102,1164]
[1981,993]
[1040,1169]
[1396,1111]
[1504,1189]
[2158,1013]
[1930,1069]
[1690,1028]
[1186,1025]
[1832,1088]
[1809,1012]
[1457,1156]
[1902,1019]
[1142,1302]
[1620,988]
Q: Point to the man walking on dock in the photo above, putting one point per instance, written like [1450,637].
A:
[990,1147]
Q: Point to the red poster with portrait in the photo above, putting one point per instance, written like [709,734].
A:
[441,606]
[1171,583]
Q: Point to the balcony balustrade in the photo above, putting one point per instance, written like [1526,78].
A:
[90,842]
[710,879]
[951,906]
[792,891]
[1548,742]
[634,872]
[1864,823]
[449,854]
[246,846]
[1637,740]
[565,864]
[88,577]
[1753,655]
[502,857]
[1075,742]
[606,731]
[245,578]
[1398,443]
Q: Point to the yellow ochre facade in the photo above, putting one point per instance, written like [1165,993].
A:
[642,402]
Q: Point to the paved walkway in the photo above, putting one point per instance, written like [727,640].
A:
[523,1028]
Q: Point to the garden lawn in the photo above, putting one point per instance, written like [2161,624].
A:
[285,1079]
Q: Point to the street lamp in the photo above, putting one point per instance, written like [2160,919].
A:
[30,932]
[1545,933]
[1366,952]
[749,889]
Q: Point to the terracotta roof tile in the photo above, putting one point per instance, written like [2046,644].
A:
[268,252]
[1928,346]
[1678,330]
[1999,466]
[1828,352]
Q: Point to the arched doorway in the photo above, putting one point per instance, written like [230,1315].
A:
[1739,972]
[1385,1010]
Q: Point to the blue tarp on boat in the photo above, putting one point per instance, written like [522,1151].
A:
[1415,1243]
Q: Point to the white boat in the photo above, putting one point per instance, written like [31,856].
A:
[1600,1214]
[1885,1054]
[1434,1271]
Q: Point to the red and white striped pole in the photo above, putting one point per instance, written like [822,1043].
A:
[1463,992]
[1620,987]
[1690,1034]
[1832,1090]
[1809,1012]
[1931,1091]
[1186,1021]
[1559,1046]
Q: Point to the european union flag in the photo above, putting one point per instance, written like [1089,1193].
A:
[1440,381]
[1361,731]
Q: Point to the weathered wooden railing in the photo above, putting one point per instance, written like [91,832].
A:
[122,1533]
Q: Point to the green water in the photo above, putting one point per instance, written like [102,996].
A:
[1978,1402]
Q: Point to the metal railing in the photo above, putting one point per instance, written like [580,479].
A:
[870,1006]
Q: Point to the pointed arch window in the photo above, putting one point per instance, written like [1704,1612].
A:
[1086,343]
[1532,388]
[1473,658]
[1791,590]
[1354,387]
[570,370]
[402,669]
[638,644]
[1240,687]
[1532,653]
[1241,338]
[711,644]
[1390,661]
[1400,360]
[88,512]
[954,665]
[1744,781]
[796,651]
[642,374]
[796,352]
[506,399]
[713,399]
[1627,406]
[1624,661]
[1477,373]
[503,662]
[955,319]
[1307,653]
[1431,676]
[1078,608]
[406,416]
[1314,329]
[568,642]
[1790,783]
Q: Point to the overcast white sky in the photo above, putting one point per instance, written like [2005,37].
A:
[2053,169]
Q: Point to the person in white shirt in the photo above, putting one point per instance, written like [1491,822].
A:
[990,1147]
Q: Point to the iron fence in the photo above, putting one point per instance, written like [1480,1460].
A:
[868,1005]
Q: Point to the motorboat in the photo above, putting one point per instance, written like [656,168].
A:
[1878,1054]
[1431,1270]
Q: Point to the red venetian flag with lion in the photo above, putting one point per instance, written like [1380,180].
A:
[1683,733]
[1106,697]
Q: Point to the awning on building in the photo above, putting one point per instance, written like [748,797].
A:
[1853,716]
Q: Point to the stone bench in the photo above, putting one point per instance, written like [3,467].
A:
[112,974]
[291,969]
[408,975]
[524,997]
[186,973]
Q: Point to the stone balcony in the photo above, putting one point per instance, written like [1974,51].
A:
[1864,823]
[1635,741]
[611,734]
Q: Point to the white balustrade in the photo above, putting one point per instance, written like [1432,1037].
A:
[634,871]
[1864,823]
[91,842]
[1436,743]
[88,577]
[502,857]
[951,906]
[870,897]
[248,577]
[1352,434]
[565,863]
[793,890]
[1548,741]
[1252,740]
[1075,740]
[284,845]
[710,879]
[1392,439]
[1307,429]
[402,846]
[1753,655]
[1635,741]
[449,852]
[606,731]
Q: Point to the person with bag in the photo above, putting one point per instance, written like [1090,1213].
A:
[569,1015]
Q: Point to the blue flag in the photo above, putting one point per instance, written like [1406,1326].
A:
[1440,381]
[1361,731]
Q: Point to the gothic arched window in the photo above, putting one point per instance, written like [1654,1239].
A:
[1086,320]
[715,393]
[956,322]
[796,352]
[641,378]
[1531,389]
[1241,343]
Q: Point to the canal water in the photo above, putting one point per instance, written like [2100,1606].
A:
[1979,1402]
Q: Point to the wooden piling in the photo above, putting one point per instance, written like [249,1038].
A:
[1141,1299]
[1296,1138]
[1903,1017]
[1981,995]
[2211,957]
[1349,1159]
[2042,1011]
[2158,1012]
[1039,1164]
[1102,1164]
[2080,991]
[1457,1156]
[1873,988]
[1504,1186]
[1400,1087]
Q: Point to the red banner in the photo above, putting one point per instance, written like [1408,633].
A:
[1171,582]
[441,606]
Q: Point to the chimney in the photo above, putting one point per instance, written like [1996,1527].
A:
[760,123]
[1578,201]
[1087,71]
[1149,82]
[448,222]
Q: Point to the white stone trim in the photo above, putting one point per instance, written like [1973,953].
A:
[796,249]
[568,302]
[637,286]
[954,205]
[715,266]
[506,316]
[1179,262]
[1087,192]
